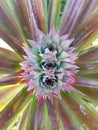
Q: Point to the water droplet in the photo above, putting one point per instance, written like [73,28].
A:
[82,109]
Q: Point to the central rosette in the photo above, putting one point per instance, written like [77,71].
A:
[49,66]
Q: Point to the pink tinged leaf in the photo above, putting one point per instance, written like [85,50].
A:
[74,19]
[38,7]
[54,12]
[80,81]
[7,67]
[32,85]
[9,55]
[54,33]
[65,118]
[74,12]
[9,112]
[91,55]
[82,37]
[22,7]
[9,61]
[28,52]
[69,42]
[50,96]
[69,6]
[64,37]
[69,88]
[33,43]
[71,49]
[53,115]
[84,116]
[33,19]
[8,21]
[13,42]
[87,32]
[10,79]
[86,11]
[88,68]
[70,15]
[85,39]
[65,44]
[38,113]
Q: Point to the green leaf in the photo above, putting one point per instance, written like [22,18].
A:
[54,13]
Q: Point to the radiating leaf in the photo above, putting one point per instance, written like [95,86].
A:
[27,121]
[70,15]
[10,79]
[53,116]
[9,19]
[8,93]
[24,17]
[65,118]
[39,12]
[12,108]
[86,115]
[9,60]
[12,41]
[81,81]
[54,13]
